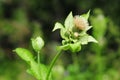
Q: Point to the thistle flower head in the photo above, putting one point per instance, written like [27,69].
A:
[74,32]
[80,22]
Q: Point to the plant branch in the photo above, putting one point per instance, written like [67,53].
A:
[52,64]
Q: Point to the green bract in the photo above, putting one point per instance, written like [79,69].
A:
[74,32]
[37,43]
[73,47]
[86,16]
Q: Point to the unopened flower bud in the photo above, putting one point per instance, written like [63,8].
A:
[76,34]
[37,43]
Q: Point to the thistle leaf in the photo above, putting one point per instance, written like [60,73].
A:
[24,54]
[86,38]
[86,16]
[91,39]
[57,26]
[69,24]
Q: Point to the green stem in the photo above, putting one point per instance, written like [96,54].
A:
[52,64]
[38,55]
[75,62]
[38,60]
[75,59]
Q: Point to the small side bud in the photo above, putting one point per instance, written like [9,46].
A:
[76,34]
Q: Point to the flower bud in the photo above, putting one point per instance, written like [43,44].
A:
[76,34]
[37,43]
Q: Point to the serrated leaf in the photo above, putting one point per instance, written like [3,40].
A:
[86,16]
[57,26]
[69,24]
[24,54]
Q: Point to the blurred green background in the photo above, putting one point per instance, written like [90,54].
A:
[20,20]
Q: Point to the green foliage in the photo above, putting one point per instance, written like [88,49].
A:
[37,70]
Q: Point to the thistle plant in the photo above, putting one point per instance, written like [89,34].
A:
[73,33]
